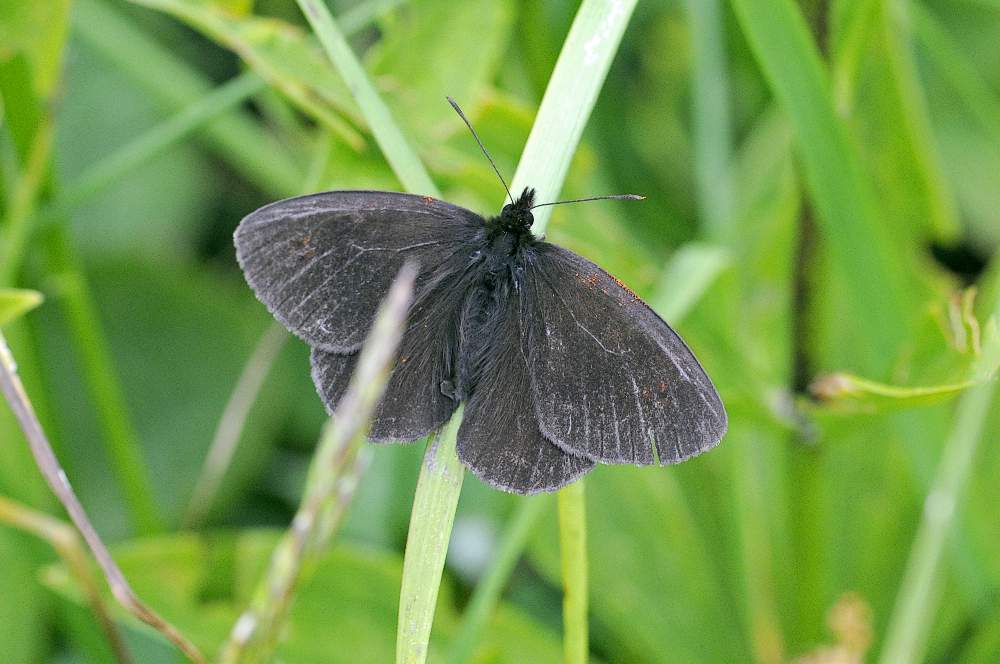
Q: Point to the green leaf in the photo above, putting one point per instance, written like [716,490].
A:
[282,54]
[237,137]
[416,67]
[15,302]
[393,142]
[345,612]
[39,30]
[179,338]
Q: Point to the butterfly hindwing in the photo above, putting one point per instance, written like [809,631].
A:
[322,263]
[499,439]
[414,403]
[610,379]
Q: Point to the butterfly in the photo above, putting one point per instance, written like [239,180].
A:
[559,364]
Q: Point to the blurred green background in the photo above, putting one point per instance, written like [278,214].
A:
[823,184]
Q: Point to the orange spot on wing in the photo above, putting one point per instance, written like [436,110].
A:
[624,287]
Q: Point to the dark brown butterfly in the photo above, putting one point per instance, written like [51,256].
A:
[559,364]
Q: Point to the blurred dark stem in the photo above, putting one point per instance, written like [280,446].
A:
[805,249]
[805,255]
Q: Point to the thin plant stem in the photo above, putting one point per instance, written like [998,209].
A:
[433,514]
[64,539]
[156,141]
[333,478]
[919,595]
[487,593]
[397,149]
[230,427]
[13,391]
[571,502]
[569,98]
[20,217]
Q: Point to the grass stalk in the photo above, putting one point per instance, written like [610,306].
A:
[848,216]
[431,520]
[234,416]
[710,116]
[230,427]
[572,506]
[919,595]
[119,435]
[333,477]
[394,145]
[20,216]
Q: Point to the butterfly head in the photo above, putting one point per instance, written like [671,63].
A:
[516,217]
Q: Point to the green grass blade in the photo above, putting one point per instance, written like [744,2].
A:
[569,97]
[158,139]
[573,552]
[710,115]
[15,302]
[433,515]
[872,265]
[120,437]
[918,601]
[897,29]
[395,146]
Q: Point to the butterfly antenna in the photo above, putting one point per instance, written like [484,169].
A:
[616,197]
[481,146]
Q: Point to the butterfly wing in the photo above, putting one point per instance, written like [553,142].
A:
[413,403]
[610,379]
[499,439]
[322,263]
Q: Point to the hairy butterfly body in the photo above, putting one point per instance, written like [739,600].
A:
[560,366]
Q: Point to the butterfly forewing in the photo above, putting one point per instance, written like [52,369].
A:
[499,439]
[610,379]
[322,263]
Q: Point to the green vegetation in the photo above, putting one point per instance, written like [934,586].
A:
[821,225]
